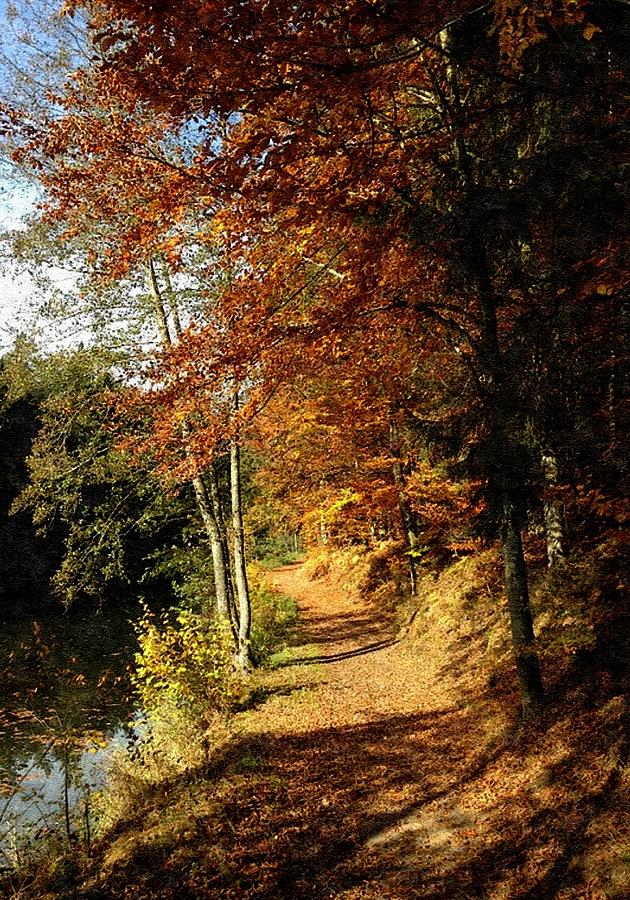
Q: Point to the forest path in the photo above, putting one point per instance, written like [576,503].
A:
[369,744]
[365,671]
[372,768]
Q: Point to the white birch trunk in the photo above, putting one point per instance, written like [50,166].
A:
[206,501]
[244,660]
[552,511]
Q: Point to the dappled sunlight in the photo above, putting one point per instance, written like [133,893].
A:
[365,776]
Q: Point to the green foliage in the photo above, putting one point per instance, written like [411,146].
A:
[278,553]
[250,762]
[273,616]
[26,561]
[186,664]
[82,488]
[187,687]
[273,536]
[188,567]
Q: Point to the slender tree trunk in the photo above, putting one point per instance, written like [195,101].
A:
[552,510]
[411,541]
[214,492]
[208,502]
[171,298]
[158,305]
[244,659]
[612,401]
[527,664]
[221,586]
[323,530]
[408,518]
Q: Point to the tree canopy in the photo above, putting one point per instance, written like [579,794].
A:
[405,224]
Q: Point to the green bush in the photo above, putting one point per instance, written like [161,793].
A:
[186,663]
[273,616]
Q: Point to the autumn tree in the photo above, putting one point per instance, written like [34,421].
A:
[397,166]
[229,564]
[342,447]
[85,238]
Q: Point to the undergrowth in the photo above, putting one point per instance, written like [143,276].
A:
[555,783]
[188,691]
[274,617]
[378,574]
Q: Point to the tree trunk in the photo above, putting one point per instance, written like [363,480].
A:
[158,306]
[497,400]
[208,502]
[244,659]
[612,402]
[552,510]
[407,515]
[221,587]
[323,530]
[172,298]
[214,493]
[527,664]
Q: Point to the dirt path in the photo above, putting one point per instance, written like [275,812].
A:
[366,673]
[370,744]
[369,768]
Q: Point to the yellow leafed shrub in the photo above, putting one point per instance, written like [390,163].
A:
[186,663]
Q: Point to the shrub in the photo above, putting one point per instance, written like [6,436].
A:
[579,604]
[186,664]
[273,615]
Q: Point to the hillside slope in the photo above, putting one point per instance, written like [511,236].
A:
[374,766]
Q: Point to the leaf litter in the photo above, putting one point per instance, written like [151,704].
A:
[377,768]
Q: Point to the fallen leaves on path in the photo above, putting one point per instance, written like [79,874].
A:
[369,772]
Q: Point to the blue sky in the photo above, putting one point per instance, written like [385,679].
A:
[23,46]
[15,287]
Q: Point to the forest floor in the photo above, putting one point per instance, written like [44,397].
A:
[366,766]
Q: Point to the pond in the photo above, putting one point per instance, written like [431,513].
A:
[65,704]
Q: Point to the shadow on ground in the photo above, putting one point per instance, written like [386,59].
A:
[345,813]
[345,654]
[344,628]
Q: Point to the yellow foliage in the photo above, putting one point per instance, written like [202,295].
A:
[187,662]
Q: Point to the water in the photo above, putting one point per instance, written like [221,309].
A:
[65,705]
